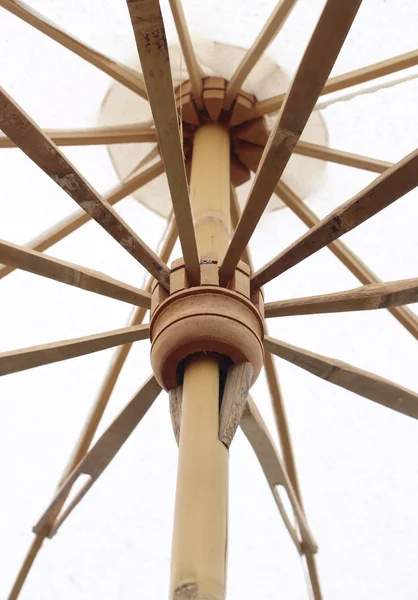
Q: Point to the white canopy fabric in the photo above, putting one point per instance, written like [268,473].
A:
[122,106]
[357,461]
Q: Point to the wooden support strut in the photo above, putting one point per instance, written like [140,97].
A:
[198,562]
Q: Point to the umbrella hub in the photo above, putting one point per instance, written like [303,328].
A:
[248,132]
[206,318]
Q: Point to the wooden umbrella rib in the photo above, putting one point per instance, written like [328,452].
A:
[406,317]
[266,36]
[365,276]
[149,157]
[394,183]
[289,459]
[311,75]
[235,216]
[111,378]
[380,69]
[95,136]
[272,380]
[346,80]
[37,356]
[91,425]
[124,75]
[368,297]
[193,68]
[152,47]
[268,106]
[65,272]
[38,147]
[71,224]
[26,566]
[101,454]
[363,383]
[356,92]
[259,437]
[281,423]
[117,364]
[341,158]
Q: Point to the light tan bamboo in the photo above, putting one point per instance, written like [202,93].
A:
[209,189]
[198,562]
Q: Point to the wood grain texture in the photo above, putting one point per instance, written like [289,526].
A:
[95,136]
[126,76]
[19,127]
[394,183]
[351,378]
[101,454]
[405,316]
[311,75]
[341,158]
[270,30]
[256,431]
[368,297]
[75,275]
[36,356]
[152,47]
[346,80]
[237,386]
[175,397]
[194,70]
[70,224]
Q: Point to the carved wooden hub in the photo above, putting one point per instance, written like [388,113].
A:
[249,134]
[206,318]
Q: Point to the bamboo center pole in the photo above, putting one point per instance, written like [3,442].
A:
[198,562]
[209,189]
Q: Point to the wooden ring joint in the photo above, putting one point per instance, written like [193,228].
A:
[205,318]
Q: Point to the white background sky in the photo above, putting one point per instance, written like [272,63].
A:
[357,461]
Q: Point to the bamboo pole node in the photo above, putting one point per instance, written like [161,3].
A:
[206,318]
